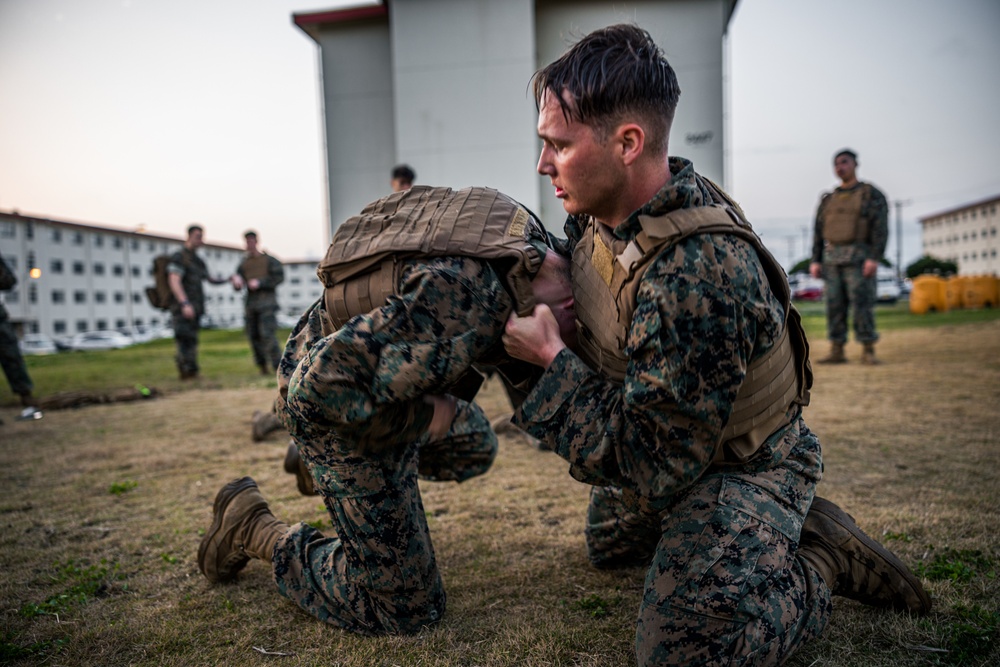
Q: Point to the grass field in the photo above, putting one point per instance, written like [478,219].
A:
[103,508]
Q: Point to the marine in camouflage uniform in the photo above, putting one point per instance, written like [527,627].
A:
[11,359]
[360,399]
[747,557]
[850,234]
[261,274]
[186,271]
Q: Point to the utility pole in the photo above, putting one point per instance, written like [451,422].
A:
[791,252]
[899,236]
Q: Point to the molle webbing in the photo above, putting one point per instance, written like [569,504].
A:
[255,267]
[774,381]
[362,263]
[842,220]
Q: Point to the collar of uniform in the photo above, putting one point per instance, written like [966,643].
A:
[684,190]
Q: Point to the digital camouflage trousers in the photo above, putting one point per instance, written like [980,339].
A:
[375,572]
[724,583]
[847,289]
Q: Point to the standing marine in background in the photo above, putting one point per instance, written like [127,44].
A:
[11,358]
[851,231]
[185,273]
[403,177]
[260,274]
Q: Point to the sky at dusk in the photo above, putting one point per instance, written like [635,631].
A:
[155,114]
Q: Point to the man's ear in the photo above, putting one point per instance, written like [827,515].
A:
[632,139]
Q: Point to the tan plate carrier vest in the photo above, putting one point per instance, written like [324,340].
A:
[255,267]
[842,221]
[361,267]
[607,272]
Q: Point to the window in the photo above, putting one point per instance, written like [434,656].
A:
[78,268]
[59,326]
[118,270]
[119,297]
[81,326]
[102,325]
[7,229]
[77,238]
[58,296]
[31,261]
[55,235]
[136,297]
[100,297]
[29,230]
[98,269]
[134,244]
[119,324]
[295,281]
[117,242]
[136,272]
[151,247]
[32,293]
[79,296]
[56,266]
[99,240]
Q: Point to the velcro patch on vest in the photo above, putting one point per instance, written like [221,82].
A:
[602,260]
[519,225]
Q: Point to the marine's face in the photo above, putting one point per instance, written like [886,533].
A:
[844,166]
[196,238]
[251,244]
[582,167]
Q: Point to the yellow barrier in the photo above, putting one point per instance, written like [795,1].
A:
[928,294]
[979,292]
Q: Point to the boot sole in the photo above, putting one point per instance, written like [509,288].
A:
[292,464]
[222,500]
[846,521]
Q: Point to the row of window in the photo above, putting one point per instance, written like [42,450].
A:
[58,296]
[76,237]
[964,215]
[966,237]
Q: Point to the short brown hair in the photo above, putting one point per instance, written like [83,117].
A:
[609,75]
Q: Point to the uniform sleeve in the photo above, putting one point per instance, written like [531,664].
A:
[275,274]
[176,264]
[367,380]
[691,338]
[817,247]
[878,223]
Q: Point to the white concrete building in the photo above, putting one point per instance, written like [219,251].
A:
[75,277]
[966,235]
[443,86]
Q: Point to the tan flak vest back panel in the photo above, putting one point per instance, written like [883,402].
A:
[841,211]
[255,267]
[361,266]
[607,272]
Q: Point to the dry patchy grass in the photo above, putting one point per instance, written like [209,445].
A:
[102,510]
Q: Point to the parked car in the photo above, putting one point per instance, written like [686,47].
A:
[887,287]
[805,288]
[140,333]
[100,340]
[38,343]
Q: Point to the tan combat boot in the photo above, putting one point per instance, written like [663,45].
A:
[856,566]
[263,423]
[868,356]
[242,528]
[296,466]
[836,355]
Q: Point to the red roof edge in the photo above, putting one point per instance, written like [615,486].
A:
[311,22]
